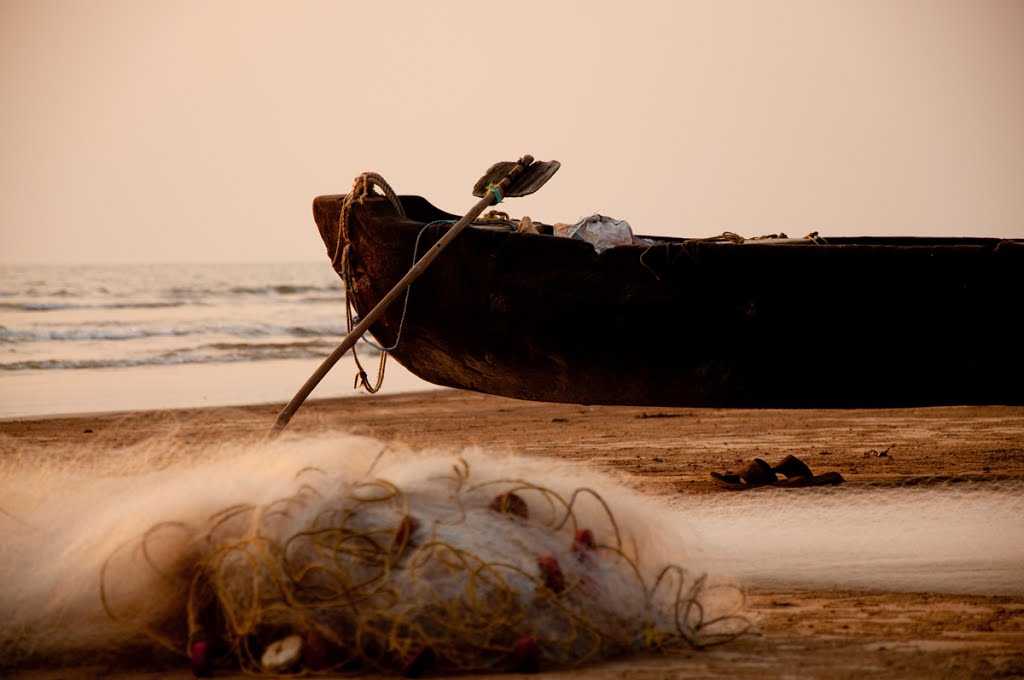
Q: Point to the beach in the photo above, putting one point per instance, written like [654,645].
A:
[792,204]
[861,624]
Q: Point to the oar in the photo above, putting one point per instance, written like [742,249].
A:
[518,178]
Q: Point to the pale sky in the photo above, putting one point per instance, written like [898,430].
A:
[201,131]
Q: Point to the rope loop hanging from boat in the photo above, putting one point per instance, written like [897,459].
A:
[361,188]
[351,319]
[349,323]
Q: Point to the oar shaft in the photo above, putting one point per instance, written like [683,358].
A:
[378,310]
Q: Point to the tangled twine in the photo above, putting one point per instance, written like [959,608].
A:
[365,585]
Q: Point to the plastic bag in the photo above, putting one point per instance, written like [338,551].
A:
[600,231]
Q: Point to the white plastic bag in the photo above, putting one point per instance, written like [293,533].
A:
[600,231]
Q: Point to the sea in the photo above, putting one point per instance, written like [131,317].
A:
[92,338]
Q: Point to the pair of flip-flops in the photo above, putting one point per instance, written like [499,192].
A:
[758,472]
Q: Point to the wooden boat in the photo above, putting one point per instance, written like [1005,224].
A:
[847,322]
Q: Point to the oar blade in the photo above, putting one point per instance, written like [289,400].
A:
[532,178]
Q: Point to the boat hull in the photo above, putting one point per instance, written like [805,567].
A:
[867,322]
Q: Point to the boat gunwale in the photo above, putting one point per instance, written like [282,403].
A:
[870,242]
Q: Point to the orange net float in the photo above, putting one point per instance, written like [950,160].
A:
[583,541]
[511,503]
[419,663]
[200,659]
[551,573]
[525,656]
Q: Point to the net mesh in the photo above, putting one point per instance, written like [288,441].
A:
[453,575]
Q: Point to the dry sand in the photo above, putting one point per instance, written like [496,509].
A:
[658,451]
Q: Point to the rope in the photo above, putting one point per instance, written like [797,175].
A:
[361,188]
[408,291]
[726,236]
[730,237]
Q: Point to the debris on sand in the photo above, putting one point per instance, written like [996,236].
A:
[757,473]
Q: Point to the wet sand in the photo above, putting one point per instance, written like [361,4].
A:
[665,452]
[39,393]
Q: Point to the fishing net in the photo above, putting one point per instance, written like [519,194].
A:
[450,574]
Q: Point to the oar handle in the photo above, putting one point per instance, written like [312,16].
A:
[414,272]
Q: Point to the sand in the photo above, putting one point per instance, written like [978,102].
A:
[668,452]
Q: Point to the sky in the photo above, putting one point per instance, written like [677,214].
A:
[201,131]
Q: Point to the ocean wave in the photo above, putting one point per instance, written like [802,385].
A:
[271,289]
[34,291]
[144,315]
[59,306]
[278,290]
[36,306]
[320,299]
[119,332]
[268,346]
[176,296]
[54,306]
[212,353]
